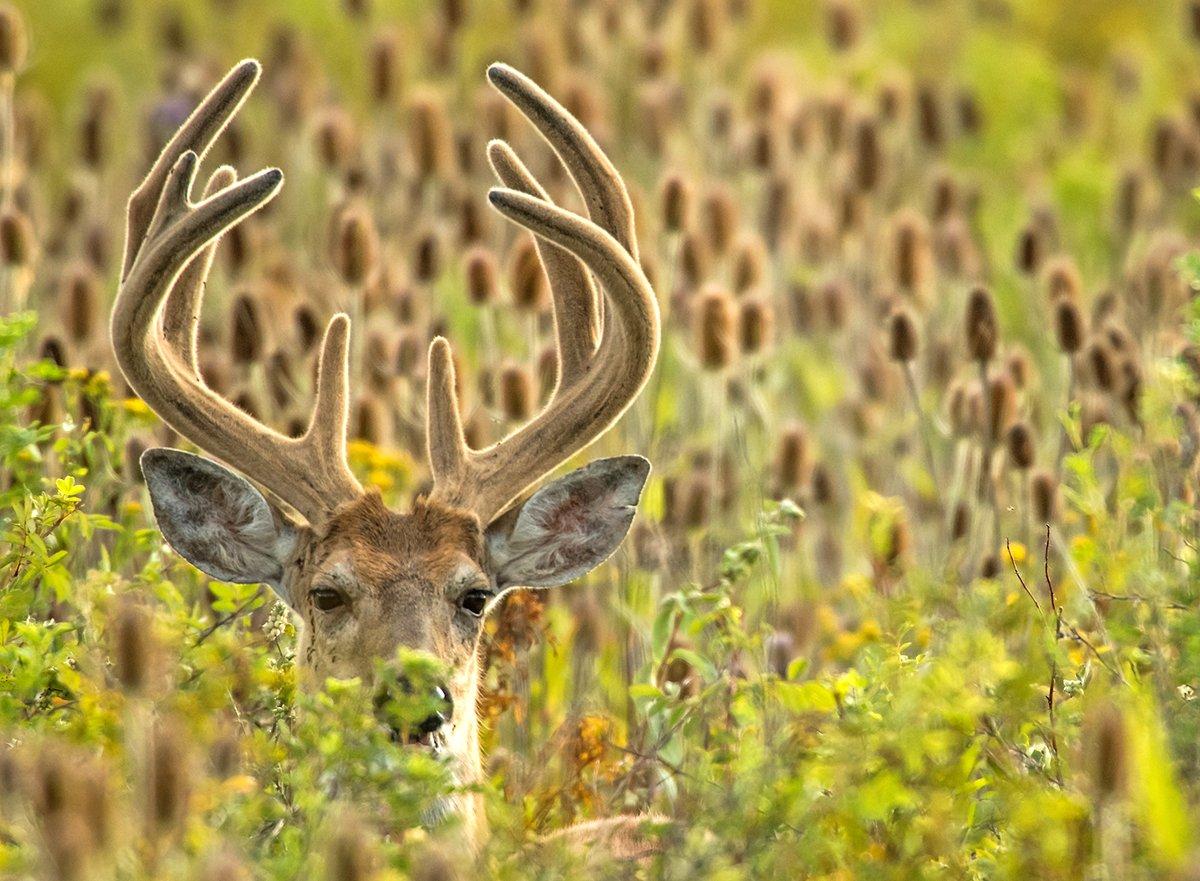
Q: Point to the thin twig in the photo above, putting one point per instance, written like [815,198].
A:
[221,622]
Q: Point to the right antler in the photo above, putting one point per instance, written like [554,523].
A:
[169,248]
[598,379]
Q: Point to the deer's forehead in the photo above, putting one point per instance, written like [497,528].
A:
[372,544]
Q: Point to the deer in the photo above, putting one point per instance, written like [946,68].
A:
[364,580]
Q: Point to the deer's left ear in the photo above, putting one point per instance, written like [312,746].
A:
[569,526]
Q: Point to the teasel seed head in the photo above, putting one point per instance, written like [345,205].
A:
[1063,280]
[82,295]
[720,219]
[716,329]
[247,334]
[824,491]
[280,379]
[483,281]
[698,497]
[133,647]
[693,260]
[1001,405]
[370,421]
[1019,369]
[931,123]
[1021,447]
[1101,362]
[432,141]
[903,339]
[795,458]
[749,264]
[384,65]
[1106,747]
[1068,326]
[983,330]
[355,245]
[427,258]
[960,522]
[17,240]
[989,567]
[1043,490]
[94,130]
[676,203]
[835,304]
[868,155]
[842,25]
[14,40]
[168,777]
[911,255]
[1131,195]
[410,351]
[756,324]
[526,280]
[1031,250]
[334,138]
[307,328]
[703,25]
[518,399]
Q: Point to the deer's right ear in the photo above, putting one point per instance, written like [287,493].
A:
[216,520]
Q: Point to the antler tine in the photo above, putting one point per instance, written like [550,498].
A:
[576,316]
[181,314]
[169,252]
[197,135]
[603,191]
[598,379]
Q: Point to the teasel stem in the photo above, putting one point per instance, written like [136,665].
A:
[8,147]
[923,425]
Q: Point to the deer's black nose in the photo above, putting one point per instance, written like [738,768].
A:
[394,703]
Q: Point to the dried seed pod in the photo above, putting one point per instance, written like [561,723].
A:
[1106,747]
[16,239]
[132,645]
[384,67]
[719,215]
[81,298]
[1021,445]
[427,258]
[247,335]
[308,329]
[794,459]
[983,330]
[903,340]
[1063,280]
[867,156]
[716,329]
[483,281]
[1001,406]
[960,523]
[842,25]
[14,40]
[676,202]
[911,254]
[1043,491]
[333,138]
[432,142]
[526,280]
[518,399]
[355,246]
[370,421]
[756,324]
[749,264]
[1068,326]
[1100,360]
[989,567]
[824,494]
[1031,250]
[931,123]
[168,778]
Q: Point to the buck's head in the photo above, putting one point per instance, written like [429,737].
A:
[366,580]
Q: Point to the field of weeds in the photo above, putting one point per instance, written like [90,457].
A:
[912,589]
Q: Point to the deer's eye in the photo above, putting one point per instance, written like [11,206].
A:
[327,599]
[474,602]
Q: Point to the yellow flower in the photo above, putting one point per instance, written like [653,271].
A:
[136,407]
[1018,551]
[240,784]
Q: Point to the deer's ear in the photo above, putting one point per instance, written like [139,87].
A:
[216,520]
[568,527]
